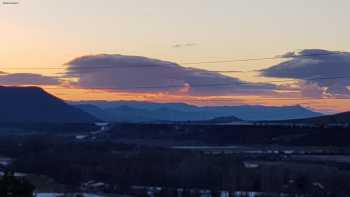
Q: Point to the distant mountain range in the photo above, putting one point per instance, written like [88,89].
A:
[34,105]
[132,111]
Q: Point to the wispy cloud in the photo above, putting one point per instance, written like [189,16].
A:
[18,79]
[184,45]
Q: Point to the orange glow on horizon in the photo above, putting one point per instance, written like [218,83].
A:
[76,94]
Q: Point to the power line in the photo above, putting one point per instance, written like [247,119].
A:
[256,99]
[203,71]
[204,85]
[266,58]
[92,69]
[180,63]
[270,99]
[240,98]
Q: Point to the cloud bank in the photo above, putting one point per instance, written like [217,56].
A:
[141,74]
[326,71]
[18,79]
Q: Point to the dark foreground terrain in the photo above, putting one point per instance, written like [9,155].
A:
[169,160]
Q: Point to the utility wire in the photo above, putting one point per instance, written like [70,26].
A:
[256,99]
[267,58]
[205,85]
[211,84]
[72,69]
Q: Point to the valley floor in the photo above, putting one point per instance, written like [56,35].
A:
[135,159]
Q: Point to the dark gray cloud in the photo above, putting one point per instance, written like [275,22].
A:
[316,66]
[191,44]
[18,79]
[141,74]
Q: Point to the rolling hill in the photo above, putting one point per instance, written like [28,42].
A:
[341,118]
[34,105]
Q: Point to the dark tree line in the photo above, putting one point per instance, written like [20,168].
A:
[228,134]
[11,186]
[72,163]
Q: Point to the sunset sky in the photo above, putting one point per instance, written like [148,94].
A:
[143,50]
